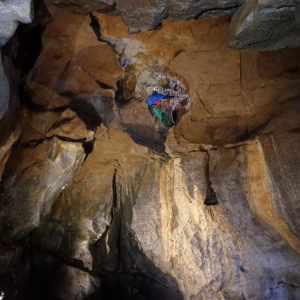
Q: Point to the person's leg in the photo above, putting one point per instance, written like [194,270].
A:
[168,120]
[157,112]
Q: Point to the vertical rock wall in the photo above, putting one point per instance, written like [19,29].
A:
[98,202]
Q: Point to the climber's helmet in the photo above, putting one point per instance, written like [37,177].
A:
[155,89]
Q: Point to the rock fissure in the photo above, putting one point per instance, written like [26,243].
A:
[210,11]
[211,197]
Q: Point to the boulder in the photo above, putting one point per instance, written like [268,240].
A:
[73,64]
[83,6]
[148,15]
[265,25]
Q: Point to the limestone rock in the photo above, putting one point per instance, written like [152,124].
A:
[265,25]
[60,280]
[70,127]
[232,92]
[187,250]
[283,159]
[4,91]
[5,147]
[142,15]
[83,213]
[72,65]
[139,123]
[148,15]
[33,178]
[67,125]
[101,216]
[45,97]
[83,6]
[11,13]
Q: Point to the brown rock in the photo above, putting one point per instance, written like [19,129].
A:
[83,212]
[233,93]
[83,6]
[38,126]
[90,66]
[72,62]
[139,219]
[46,97]
[70,126]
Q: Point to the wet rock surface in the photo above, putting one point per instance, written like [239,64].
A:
[98,201]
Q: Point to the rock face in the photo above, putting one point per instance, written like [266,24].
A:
[37,179]
[146,15]
[142,15]
[262,25]
[99,202]
[233,93]
[265,25]
[11,13]
[83,6]
[4,91]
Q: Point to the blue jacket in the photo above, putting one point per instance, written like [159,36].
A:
[155,97]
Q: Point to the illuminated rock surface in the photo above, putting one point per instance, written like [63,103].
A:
[99,202]
[11,13]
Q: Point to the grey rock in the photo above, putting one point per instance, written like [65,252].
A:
[33,179]
[265,25]
[147,15]
[283,160]
[84,6]
[11,13]
[182,249]
[4,91]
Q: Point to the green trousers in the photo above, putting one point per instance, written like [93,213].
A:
[163,117]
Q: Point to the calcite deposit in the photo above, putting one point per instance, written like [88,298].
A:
[98,201]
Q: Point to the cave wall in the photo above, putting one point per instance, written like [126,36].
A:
[98,202]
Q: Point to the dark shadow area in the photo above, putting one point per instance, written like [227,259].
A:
[28,101]
[147,136]
[126,272]
[93,109]
[86,112]
[141,279]
[211,197]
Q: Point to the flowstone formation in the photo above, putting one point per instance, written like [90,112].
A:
[97,201]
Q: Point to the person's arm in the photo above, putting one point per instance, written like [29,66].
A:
[159,96]
[150,110]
